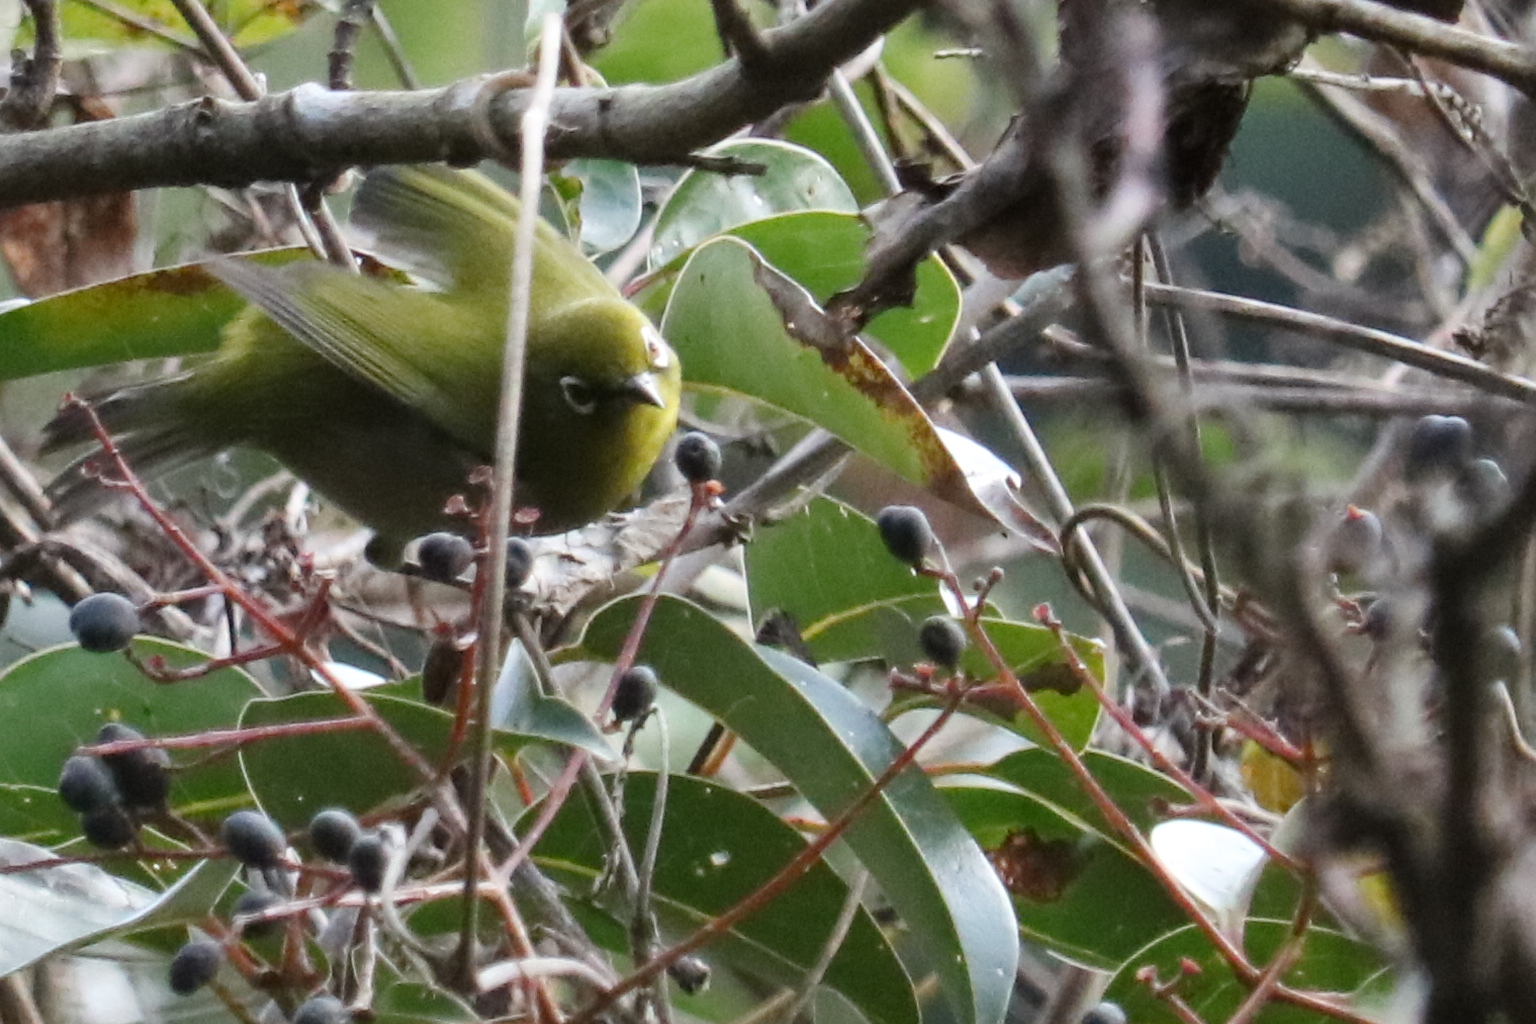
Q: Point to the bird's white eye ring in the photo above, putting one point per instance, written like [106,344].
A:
[578,395]
[657,350]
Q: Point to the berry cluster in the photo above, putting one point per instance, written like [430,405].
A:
[113,793]
[257,842]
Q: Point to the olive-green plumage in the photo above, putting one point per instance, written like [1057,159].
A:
[383,395]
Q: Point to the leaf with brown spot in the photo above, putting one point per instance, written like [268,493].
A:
[740,325]
[1034,868]
[52,247]
[175,311]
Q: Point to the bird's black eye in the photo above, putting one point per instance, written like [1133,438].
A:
[578,395]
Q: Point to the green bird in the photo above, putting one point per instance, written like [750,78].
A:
[383,395]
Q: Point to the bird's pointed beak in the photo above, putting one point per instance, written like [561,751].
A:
[642,387]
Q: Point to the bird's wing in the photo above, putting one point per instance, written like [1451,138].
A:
[457,227]
[409,344]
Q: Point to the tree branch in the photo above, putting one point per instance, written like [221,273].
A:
[310,132]
[1509,62]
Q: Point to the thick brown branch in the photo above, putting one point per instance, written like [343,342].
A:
[310,131]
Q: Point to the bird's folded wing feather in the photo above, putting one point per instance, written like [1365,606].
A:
[428,354]
[456,227]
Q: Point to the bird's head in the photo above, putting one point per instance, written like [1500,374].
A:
[601,398]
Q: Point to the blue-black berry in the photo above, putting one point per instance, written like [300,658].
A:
[253,839]
[104,622]
[1356,542]
[942,640]
[86,783]
[519,562]
[697,457]
[1438,444]
[194,965]
[635,694]
[906,533]
[444,556]
[253,902]
[691,974]
[332,833]
[1377,623]
[1105,1013]
[322,1010]
[142,776]
[108,826]
[367,860]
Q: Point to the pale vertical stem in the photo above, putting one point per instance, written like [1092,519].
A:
[531,145]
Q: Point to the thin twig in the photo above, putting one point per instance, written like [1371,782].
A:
[534,124]
[330,244]
[1352,336]
[829,949]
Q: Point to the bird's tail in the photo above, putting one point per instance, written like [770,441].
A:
[144,425]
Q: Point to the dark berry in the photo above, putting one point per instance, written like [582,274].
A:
[141,774]
[444,556]
[253,839]
[194,965]
[321,1010]
[942,640]
[691,974]
[86,784]
[1356,542]
[1438,444]
[104,622]
[332,833]
[253,902]
[1377,623]
[441,671]
[1105,1013]
[906,533]
[519,562]
[697,457]
[367,860]
[108,826]
[635,694]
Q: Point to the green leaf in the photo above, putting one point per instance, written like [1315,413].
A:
[1133,787]
[717,847]
[1083,898]
[705,203]
[823,562]
[175,311]
[294,776]
[1330,962]
[824,252]
[54,909]
[35,814]
[730,334]
[832,747]
[243,22]
[610,203]
[57,699]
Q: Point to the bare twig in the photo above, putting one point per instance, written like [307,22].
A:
[534,124]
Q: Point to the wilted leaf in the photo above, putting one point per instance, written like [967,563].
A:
[175,311]
[742,326]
